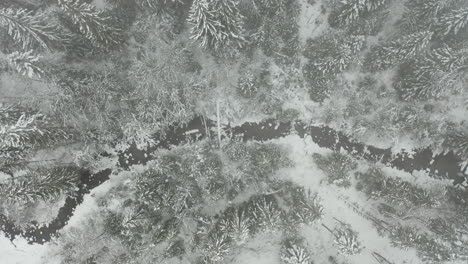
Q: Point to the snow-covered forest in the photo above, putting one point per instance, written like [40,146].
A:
[233,131]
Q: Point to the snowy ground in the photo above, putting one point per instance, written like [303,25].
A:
[264,249]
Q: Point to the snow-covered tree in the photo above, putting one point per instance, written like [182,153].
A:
[331,54]
[293,251]
[453,22]
[92,23]
[428,248]
[305,207]
[217,246]
[346,239]
[348,11]
[337,166]
[398,51]
[236,224]
[422,15]
[161,7]
[265,213]
[458,143]
[247,85]
[166,88]
[31,29]
[31,130]
[216,23]
[26,63]
[441,72]
[22,130]
[39,185]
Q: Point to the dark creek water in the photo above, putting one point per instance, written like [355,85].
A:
[442,166]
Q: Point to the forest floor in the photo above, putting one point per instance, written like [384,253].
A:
[264,248]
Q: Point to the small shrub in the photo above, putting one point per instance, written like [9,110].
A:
[267,158]
[247,85]
[175,249]
[288,115]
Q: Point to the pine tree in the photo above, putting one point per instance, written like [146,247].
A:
[440,73]
[348,11]
[31,130]
[331,54]
[26,63]
[216,23]
[247,85]
[39,185]
[345,239]
[305,207]
[421,15]
[458,143]
[22,130]
[398,51]
[337,167]
[31,29]
[453,22]
[265,213]
[293,251]
[94,24]
[159,6]
[217,246]
[236,224]
[163,82]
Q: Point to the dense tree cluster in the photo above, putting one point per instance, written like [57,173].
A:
[119,73]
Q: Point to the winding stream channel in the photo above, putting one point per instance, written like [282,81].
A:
[440,165]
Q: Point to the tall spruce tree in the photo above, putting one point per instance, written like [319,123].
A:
[23,130]
[405,48]
[348,11]
[93,24]
[458,143]
[216,23]
[441,72]
[43,184]
[26,63]
[31,29]
[453,22]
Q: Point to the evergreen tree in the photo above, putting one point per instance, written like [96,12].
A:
[159,6]
[94,24]
[166,87]
[348,11]
[26,63]
[216,23]
[441,72]
[39,185]
[305,207]
[421,15]
[346,239]
[22,130]
[293,251]
[31,29]
[205,28]
[247,86]
[398,51]
[458,143]
[453,22]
